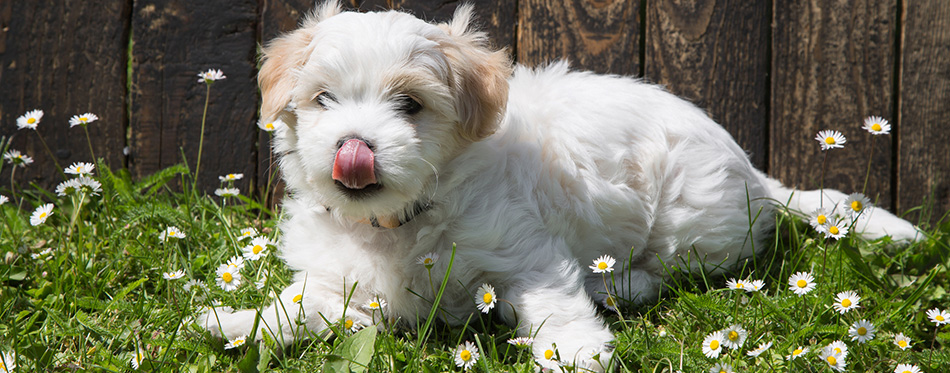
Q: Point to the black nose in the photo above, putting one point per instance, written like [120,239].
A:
[343,140]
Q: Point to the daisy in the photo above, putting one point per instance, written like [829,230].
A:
[551,353]
[80,168]
[721,367]
[171,232]
[137,357]
[46,253]
[856,204]
[210,76]
[466,354]
[228,277]
[68,187]
[902,341]
[603,264]
[797,352]
[737,284]
[712,344]
[375,304]
[755,285]
[836,230]
[734,336]
[351,326]
[7,362]
[428,260]
[877,125]
[16,158]
[297,298]
[938,316]
[236,342]
[41,214]
[29,120]
[270,126]
[862,331]
[819,218]
[236,262]
[227,192]
[194,284]
[89,185]
[521,341]
[830,139]
[485,298]
[4,199]
[610,303]
[82,120]
[759,350]
[846,301]
[257,249]
[230,177]
[174,275]
[839,348]
[906,368]
[801,283]
[834,361]
[247,233]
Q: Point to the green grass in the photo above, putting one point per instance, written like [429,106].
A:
[98,295]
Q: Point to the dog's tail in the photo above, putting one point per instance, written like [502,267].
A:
[872,223]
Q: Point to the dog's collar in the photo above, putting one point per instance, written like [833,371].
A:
[396,220]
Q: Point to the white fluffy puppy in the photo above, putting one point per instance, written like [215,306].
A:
[405,137]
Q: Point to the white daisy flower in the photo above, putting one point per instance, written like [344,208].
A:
[838,348]
[196,284]
[466,354]
[862,331]
[89,185]
[801,283]
[735,336]
[755,285]
[137,358]
[906,368]
[820,218]
[376,304]
[836,229]
[236,262]
[257,249]
[938,316]
[271,126]
[603,264]
[247,233]
[80,168]
[759,350]
[610,302]
[227,192]
[227,277]
[231,177]
[877,125]
[856,204]
[846,301]
[16,158]
[7,362]
[68,187]
[428,260]
[721,367]
[174,275]
[82,119]
[46,253]
[712,344]
[171,232]
[521,341]
[830,139]
[210,76]
[4,199]
[833,360]
[737,284]
[551,353]
[236,342]
[485,298]
[41,214]
[351,326]
[297,298]
[29,120]
[902,341]
[796,353]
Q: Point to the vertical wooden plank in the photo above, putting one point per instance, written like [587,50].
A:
[601,36]
[924,130]
[832,65]
[173,41]
[715,54]
[65,58]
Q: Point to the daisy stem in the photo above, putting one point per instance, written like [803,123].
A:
[76,210]
[821,182]
[12,184]
[51,156]
[89,142]
[201,138]
[867,174]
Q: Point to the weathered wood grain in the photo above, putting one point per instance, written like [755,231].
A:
[832,65]
[715,54]
[65,58]
[174,41]
[924,130]
[602,35]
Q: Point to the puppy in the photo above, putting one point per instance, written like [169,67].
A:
[406,138]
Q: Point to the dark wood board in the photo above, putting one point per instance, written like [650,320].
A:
[715,54]
[173,42]
[602,36]
[832,66]
[924,141]
[65,58]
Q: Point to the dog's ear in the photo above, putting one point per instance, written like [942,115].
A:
[480,73]
[282,56]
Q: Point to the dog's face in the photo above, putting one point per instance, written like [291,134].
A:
[381,101]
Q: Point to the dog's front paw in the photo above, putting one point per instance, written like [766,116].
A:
[225,323]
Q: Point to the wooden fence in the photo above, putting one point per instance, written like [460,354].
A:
[773,73]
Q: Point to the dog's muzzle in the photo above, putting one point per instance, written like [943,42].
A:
[353,165]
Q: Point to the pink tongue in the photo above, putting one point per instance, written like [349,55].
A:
[353,165]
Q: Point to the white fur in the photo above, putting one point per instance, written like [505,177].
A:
[579,165]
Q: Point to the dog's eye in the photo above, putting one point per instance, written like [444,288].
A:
[324,98]
[408,105]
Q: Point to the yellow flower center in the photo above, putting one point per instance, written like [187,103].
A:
[829,140]
[427,261]
[487,298]
[230,176]
[797,352]
[257,249]
[739,285]
[906,371]
[611,302]
[838,350]
[902,343]
[602,265]
[714,345]
[548,354]
[269,126]
[83,119]
[373,304]
[833,230]
[31,120]
[227,277]
[862,331]
[298,298]
[722,371]
[465,355]
[801,283]
[832,360]
[856,206]
[876,127]
[939,317]
[348,324]
[822,219]
[846,302]
[43,216]
[733,335]
[79,169]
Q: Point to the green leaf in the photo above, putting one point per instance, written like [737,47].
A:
[353,354]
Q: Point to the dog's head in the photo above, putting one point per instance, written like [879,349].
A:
[377,103]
